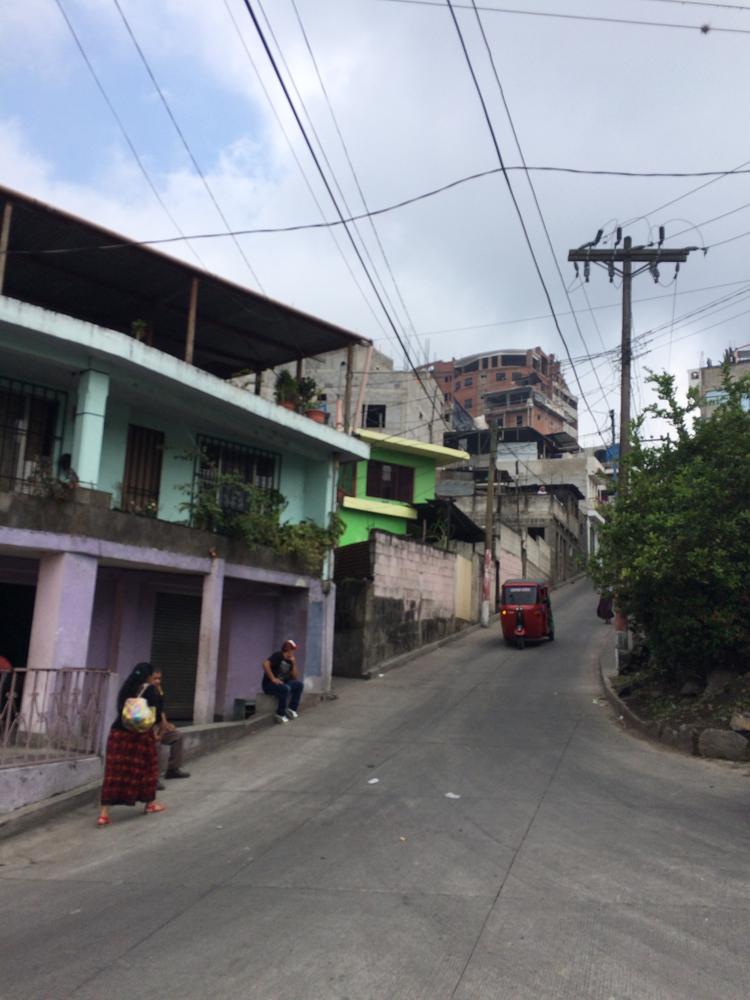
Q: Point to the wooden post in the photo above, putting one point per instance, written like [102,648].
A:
[192,312]
[4,239]
[348,390]
[489,528]
[258,383]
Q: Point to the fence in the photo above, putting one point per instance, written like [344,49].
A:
[51,715]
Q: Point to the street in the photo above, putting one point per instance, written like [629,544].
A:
[475,824]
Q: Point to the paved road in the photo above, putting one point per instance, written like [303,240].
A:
[579,861]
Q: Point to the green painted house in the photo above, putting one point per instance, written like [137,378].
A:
[383,492]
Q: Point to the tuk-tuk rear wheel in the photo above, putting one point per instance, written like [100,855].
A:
[552,636]
[520,643]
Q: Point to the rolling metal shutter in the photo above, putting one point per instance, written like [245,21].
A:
[174,650]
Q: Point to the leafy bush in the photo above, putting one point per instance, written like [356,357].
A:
[227,505]
[676,547]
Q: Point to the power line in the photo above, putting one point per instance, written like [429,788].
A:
[324,155]
[123,130]
[347,155]
[530,182]
[185,143]
[374,213]
[297,160]
[705,3]
[318,166]
[704,29]
[515,203]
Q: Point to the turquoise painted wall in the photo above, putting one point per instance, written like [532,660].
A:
[305,484]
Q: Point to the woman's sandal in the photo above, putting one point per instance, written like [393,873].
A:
[155,807]
[103,821]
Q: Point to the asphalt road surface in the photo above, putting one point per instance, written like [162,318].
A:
[518,843]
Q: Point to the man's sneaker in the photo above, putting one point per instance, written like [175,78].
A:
[177,774]
[292,714]
[280,718]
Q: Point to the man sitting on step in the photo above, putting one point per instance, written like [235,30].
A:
[169,735]
[281,681]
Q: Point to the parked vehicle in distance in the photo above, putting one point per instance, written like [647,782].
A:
[526,612]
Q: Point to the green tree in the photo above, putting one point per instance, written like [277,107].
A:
[676,548]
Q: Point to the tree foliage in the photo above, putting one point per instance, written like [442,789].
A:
[676,548]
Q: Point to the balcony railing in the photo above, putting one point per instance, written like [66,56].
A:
[51,715]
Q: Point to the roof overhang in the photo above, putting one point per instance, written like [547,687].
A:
[65,264]
[46,343]
[440,454]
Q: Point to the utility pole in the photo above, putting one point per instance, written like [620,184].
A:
[649,258]
[521,532]
[489,528]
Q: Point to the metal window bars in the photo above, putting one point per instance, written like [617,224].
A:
[51,714]
[32,424]
[252,466]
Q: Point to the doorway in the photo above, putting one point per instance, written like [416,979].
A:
[16,617]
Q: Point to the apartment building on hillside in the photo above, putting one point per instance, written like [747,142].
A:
[521,388]
[708,379]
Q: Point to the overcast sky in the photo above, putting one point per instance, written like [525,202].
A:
[582,94]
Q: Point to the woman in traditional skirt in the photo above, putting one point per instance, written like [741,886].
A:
[131,768]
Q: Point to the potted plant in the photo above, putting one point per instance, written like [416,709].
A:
[308,400]
[286,390]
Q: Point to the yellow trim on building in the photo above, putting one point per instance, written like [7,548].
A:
[436,451]
[389,507]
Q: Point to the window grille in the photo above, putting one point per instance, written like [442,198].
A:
[32,423]
[140,485]
[251,466]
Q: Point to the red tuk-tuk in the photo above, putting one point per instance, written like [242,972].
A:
[526,612]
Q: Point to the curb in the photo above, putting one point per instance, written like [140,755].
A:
[38,813]
[684,739]
[403,658]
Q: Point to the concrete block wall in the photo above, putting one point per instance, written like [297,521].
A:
[412,571]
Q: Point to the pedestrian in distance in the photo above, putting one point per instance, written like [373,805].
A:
[168,734]
[281,681]
[131,768]
[604,608]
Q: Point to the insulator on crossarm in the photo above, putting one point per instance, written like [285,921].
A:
[586,271]
[611,271]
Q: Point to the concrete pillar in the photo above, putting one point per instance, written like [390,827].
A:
[62,611]
[88,432]
[208,644]
[319,638]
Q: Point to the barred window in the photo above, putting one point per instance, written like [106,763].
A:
[251,466]
[31,431]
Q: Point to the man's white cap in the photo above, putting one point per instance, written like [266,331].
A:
[289,644]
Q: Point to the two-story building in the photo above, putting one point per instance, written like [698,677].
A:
[117,417]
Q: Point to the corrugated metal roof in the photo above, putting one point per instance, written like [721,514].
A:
[66,264]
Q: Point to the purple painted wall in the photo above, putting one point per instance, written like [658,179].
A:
[249,625]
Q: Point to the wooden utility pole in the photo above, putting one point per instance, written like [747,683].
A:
[348,390]
[649,258]
[489,527]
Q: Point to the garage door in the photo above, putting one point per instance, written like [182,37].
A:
[174,650]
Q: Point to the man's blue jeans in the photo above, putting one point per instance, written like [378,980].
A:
[288,694]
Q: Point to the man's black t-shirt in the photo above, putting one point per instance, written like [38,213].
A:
[280,667]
